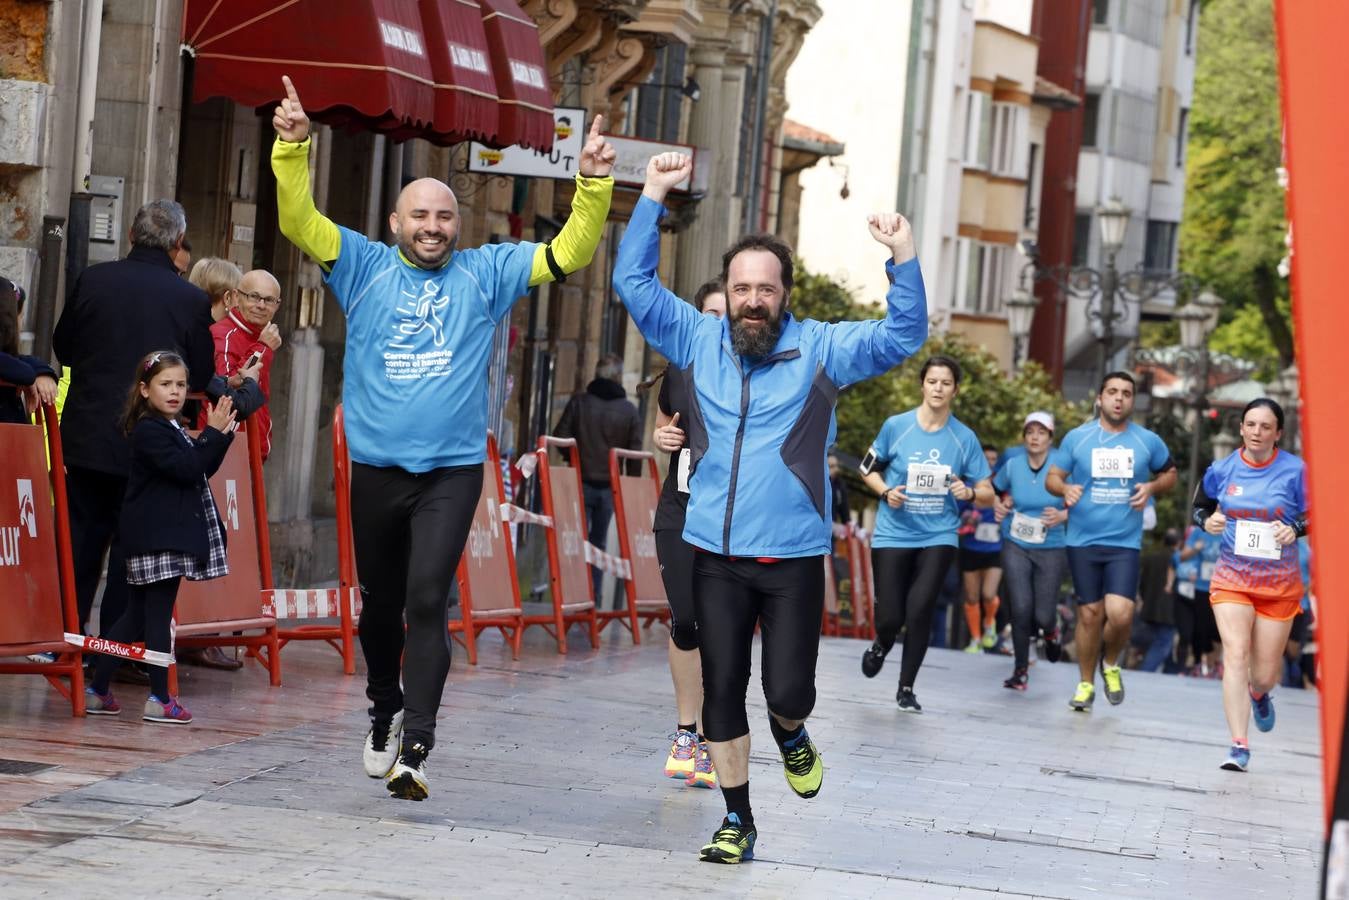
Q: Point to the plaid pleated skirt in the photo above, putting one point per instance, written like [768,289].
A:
[147,568]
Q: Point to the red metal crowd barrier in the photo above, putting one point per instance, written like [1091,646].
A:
[209,613]
[635,500]
[343,602]
[569,573]
[829,623]
[37,582]
[489,589]
[863,585]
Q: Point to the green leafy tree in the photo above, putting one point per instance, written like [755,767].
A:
[1232,236]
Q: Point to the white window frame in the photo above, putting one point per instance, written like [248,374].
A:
[1010,125]
[978,130]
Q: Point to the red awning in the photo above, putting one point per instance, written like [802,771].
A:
[466,89]
[352,61]
[521,76]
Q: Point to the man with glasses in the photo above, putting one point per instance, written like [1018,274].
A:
[246,331]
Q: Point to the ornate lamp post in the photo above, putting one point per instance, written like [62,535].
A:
[1223,445]
[1020,313]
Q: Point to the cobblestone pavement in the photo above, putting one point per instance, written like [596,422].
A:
[546,781]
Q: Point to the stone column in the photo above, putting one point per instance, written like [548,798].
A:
[700,246]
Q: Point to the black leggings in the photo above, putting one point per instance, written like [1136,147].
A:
[676,571]
[148,613]
[908,580]
[786,599]
[409,532]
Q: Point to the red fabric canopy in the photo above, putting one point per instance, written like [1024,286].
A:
[360,62]
[466,105]
[521,76]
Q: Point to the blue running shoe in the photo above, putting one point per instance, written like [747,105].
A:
[1238,758]
[1262,708]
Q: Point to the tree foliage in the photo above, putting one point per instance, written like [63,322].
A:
[989,402]
[1232,236]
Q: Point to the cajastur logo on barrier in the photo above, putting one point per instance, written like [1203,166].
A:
[27,511]
[232,503]
[10,534]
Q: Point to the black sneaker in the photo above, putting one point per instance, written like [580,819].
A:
[1018,681]
[407,779]
[873,659]
[907,701]
[1053,649]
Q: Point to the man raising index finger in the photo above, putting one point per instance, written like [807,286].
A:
[420,320]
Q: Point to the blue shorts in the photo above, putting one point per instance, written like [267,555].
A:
[1098,571]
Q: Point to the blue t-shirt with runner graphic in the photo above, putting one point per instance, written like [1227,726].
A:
[1109,465]
[414,390]
[919,460]
[1029,499]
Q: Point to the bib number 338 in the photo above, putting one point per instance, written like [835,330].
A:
[1112,462]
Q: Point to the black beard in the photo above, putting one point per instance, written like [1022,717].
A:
[755,342]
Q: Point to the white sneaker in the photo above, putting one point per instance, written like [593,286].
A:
[381,746]
[407,781]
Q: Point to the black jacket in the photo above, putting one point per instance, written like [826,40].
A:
[163,509]
[116,313]
[20,370]
[601,418]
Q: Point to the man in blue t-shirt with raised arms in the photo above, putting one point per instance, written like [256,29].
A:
[1102,471]
[420,320]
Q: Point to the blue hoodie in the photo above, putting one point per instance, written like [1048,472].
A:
[759,428]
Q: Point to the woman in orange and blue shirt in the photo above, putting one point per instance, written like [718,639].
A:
[1256,500]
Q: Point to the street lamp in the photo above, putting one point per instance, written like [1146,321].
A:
[1114,218]
[1106,292]
[1020,313]
[1197,321]
[1223,445]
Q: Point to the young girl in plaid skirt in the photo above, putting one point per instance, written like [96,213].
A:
[170,528]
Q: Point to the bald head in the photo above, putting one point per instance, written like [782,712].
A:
[259,296]
[425,222]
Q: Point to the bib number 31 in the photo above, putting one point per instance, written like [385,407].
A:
[1256,540]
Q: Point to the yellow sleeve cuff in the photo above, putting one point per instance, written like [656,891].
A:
[299,219]
[574,246]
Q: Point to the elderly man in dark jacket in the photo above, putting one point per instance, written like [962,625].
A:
[117,312]
[601,418]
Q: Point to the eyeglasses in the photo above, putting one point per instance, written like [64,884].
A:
[260,298]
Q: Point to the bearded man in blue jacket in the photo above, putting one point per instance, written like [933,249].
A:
[764,388]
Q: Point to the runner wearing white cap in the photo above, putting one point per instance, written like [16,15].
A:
[1033,555]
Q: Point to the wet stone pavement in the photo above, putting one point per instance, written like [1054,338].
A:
[546,781]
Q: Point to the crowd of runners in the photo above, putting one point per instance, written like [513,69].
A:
[747,414]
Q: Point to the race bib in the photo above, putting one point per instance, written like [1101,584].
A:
[1186,589]
[1255,540]
[682,478]
[927,479]
[1112,462]
[1206,571]
[1029,529]
[988,532]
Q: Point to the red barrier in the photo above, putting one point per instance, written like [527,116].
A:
[343,602]
[863,585]
[209,612]
[489,590]
[635,500]
[569,573]
[37,583]
[829,623]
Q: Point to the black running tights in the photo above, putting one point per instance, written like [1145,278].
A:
[908,580]
[786,599]
[409,530]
